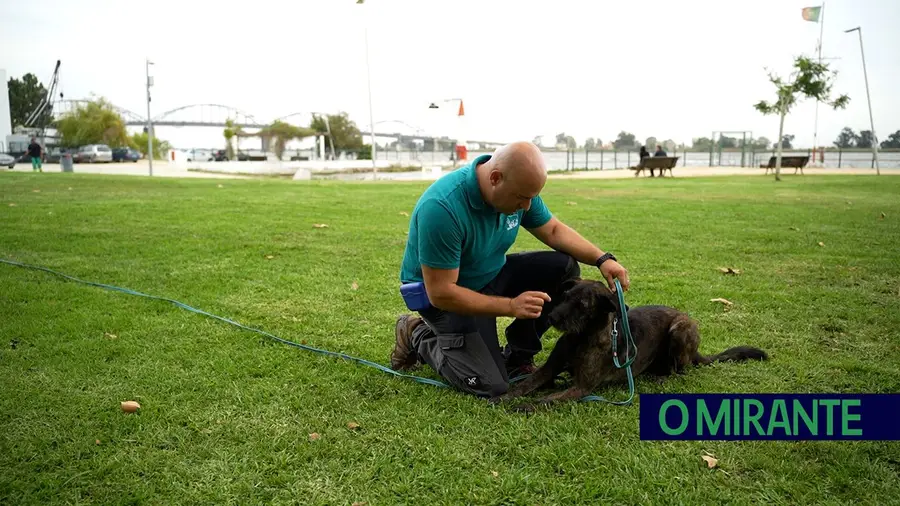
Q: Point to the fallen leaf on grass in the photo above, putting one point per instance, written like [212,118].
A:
[723,301]
[111,336]
[36,191]
[848,202]
[572,203]
[822,244]
[360,503]
[269,257]
[354,286]
[319,225]
[130,406]
[314,436]
[96,441]
[303,342]
[882,216]
[495,474]
[710,461]
[12,205]
[404,213]
[220,186]
[795,229]
[729,270]
[353,426]
[70,187]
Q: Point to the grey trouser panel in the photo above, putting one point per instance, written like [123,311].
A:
[465,350]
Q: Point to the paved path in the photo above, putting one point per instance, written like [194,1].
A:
[139,168]
[679,172]
[162,169]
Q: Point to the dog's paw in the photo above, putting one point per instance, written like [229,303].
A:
[526,408]
[493,401]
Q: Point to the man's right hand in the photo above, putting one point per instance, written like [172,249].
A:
[528,304]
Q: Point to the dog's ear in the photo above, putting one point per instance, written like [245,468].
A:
[569,284]
[605,299]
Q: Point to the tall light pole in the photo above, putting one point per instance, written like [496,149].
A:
[369,85]
[868,98]
[149,120]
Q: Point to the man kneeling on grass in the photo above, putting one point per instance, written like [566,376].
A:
[459,235]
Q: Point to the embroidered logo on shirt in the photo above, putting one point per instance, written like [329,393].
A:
[512,221]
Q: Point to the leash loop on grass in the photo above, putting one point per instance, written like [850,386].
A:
[427,381]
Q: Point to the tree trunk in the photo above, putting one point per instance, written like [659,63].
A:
[780,146]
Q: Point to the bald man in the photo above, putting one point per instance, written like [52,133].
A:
[459,234]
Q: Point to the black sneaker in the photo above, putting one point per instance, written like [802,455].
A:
[404,357]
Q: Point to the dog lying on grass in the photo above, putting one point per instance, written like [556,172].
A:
[667,340]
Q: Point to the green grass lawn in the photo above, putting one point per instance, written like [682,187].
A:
[227,414]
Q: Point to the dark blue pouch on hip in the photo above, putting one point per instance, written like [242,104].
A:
[415,296]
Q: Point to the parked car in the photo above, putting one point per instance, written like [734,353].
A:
[126,155]
[199,155]
[7,161]
[220,155]
[93,153]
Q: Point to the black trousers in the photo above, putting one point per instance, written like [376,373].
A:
[465,350]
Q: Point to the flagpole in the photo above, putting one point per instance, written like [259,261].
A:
[816,127]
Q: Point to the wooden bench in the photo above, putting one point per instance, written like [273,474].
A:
[787,162]
[651,163]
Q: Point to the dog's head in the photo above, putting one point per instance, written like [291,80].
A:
[584,303]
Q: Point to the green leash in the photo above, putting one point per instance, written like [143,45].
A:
[629,344]
[427,381]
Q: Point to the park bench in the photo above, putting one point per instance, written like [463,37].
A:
[651,163]
[787,162]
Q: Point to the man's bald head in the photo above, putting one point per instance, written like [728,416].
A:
[515,174]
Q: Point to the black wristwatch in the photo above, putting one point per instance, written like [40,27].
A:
[606,256]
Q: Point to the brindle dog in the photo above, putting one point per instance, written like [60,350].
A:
[667,341]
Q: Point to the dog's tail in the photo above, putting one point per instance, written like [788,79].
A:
[736,354]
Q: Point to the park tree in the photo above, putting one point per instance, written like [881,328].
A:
[93,122]
[669,145]
[786,142]
[701,143]
[625,140]
[865,139]
[762,143]
[230,132]
[344,133]
[809,79]
[650,143]
[590,144]
[283,133]
[892,142]
[538,141]
[846,139]
[139,142]
[24,97]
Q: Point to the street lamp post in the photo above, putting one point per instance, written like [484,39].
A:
[149,120]
[435,106]
[868,99]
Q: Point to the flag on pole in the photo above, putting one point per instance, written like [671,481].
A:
[812,13]
[461,110]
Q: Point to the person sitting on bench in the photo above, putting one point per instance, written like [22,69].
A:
[659,151]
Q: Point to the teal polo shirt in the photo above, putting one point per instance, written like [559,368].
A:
[453,227]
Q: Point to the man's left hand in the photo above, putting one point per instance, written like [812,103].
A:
[612,271]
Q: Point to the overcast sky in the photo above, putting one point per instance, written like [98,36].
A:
[671,69]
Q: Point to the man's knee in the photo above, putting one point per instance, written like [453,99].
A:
[482,387]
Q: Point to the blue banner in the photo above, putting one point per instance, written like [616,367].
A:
[770,417]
